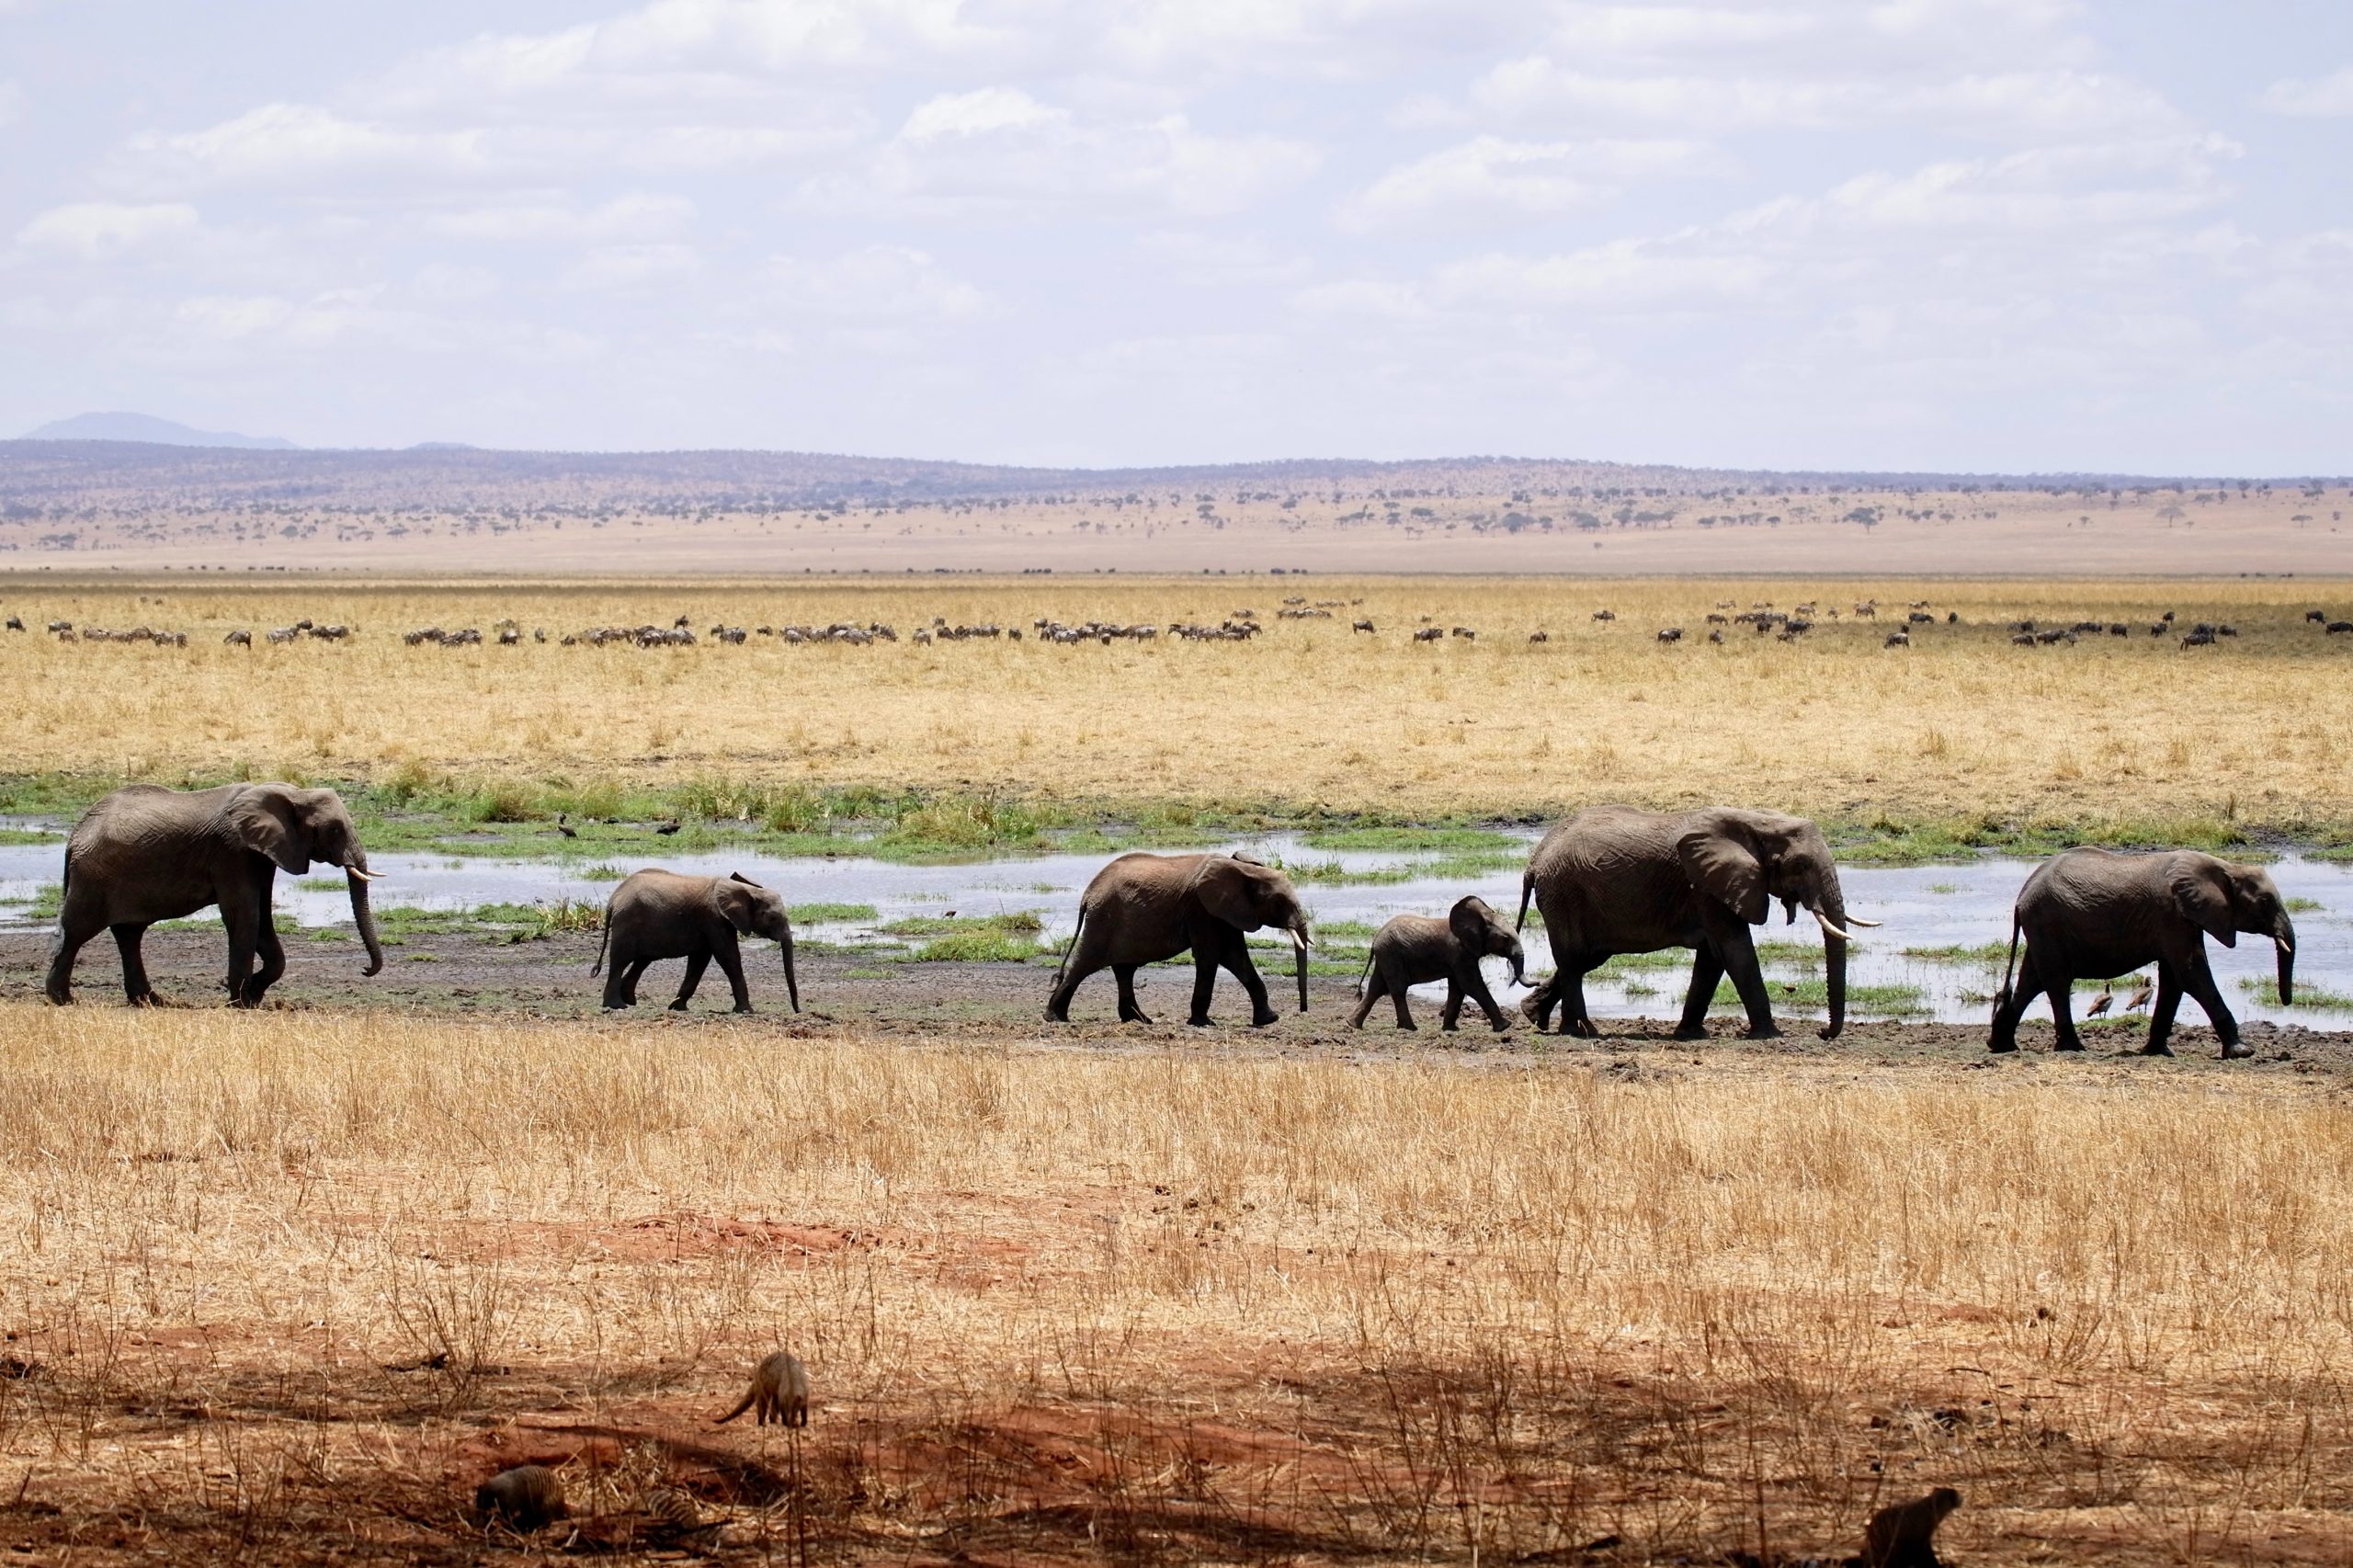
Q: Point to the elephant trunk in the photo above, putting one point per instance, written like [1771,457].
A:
[1832,912]
[1518,956]
[2283,937]
[791,979]
[357,876]
[1301,942]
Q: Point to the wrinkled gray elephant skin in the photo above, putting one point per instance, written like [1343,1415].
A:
[1614,879]
[145,854]
[2098,913]
[1416,949]
[657,915]
[1141,909]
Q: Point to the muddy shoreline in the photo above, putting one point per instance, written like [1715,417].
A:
[470,976]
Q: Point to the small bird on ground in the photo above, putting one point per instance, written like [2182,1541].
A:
[564,828]
[666,827]
[2101,1003]
[2141,997]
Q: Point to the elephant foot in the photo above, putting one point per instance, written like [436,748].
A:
[1827,1032]
[2156,1048]
[1767,1031]
[61,998]
[1133,1016]
[742,1006]
[2068,1045]
[1501,1026]
[2001,1047]
[1198,1021]
[1260,1020]
[2236,1051]
[679,1005]
[1057,1015]
[1690,1031]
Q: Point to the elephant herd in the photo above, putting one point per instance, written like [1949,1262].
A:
[1610,881]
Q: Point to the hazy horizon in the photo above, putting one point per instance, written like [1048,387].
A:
[1958,236]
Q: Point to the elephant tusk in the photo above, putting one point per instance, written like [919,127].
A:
[1301,941]
[1830,928]
[1858,920]
[362,875]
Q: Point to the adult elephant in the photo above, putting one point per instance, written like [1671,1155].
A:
[145,854]
[1141,909]
[2097,913]
[656,914]
[1614,879]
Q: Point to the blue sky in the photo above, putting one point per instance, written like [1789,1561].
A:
[1980,234]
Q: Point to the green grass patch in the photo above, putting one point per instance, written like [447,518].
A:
[1408,840]
[993,945]
[1665,958]
[2303,906]
[865,974]
[1341,930]
[1019,922]
[832,914]
[1985,954]
[2318,997]
[1944,889]
[1881,1001]
[17,836]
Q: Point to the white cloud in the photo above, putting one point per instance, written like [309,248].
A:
[977,113]
[290,142]
[95,230]
[641,216]
[873,283]
[1489,180]
[1623,275]
[2328,95]
[616,269]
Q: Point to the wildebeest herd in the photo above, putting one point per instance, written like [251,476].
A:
[1610,881]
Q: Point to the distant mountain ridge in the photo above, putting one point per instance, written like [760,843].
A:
[148,429]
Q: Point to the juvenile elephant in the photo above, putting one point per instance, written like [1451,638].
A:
[660,915]
[145,854]
[2094,914]
[1413,949]
[1614,879]
[1141,909]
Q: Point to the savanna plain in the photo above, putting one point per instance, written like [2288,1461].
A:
[287,1285]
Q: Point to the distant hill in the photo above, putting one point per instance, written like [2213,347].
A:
[147,428]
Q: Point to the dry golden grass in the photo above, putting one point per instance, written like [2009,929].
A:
[1067,1305]
[1962,722]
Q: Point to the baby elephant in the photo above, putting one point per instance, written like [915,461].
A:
[1413,949]
[661,915]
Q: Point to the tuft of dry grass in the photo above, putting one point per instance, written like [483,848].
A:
[1309,713]
[273,1269]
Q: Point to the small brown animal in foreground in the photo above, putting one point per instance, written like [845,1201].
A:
[1903,1536]
[779,1391]
[525,1497]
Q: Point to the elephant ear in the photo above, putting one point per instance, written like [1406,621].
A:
[2203,888]
[268,822]
[1227,889]
[1471,920]
[1723,868]
[733,896]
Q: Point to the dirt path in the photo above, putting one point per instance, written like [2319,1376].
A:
[473,975]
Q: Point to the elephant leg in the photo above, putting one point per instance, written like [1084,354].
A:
[1450,1017]
[620,990]
[1574,1019]
[2161,1012]
[636,972]
[1707,969]
[1085,959]
[2200,983]
[1204,983]
[1376,986]
[1395,981]
[273,960]
[75,929]
[1475,985]
[730,954]
[1739,957]
[2061,989]
[2025,987]
[134,971]
[696,964]
[242,917]
[1236,960]
[1537,1006]
[1131,1011]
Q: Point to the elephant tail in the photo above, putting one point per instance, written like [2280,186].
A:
[1526,886]
[2002,997]
[64,886]
[1072,948]
[1365,974]
[604,942]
